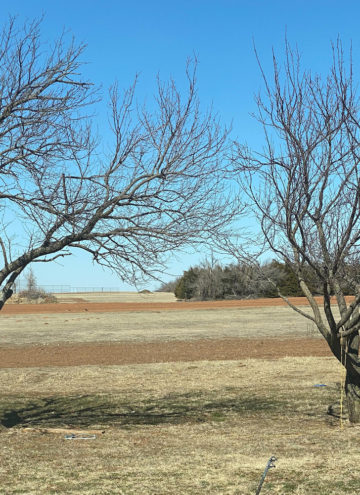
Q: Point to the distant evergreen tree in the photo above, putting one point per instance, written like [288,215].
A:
[186,286]
[212,281]
[284,278]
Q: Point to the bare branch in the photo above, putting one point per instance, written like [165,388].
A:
[162,185]
[303,187]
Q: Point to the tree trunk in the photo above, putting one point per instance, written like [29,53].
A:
[352,388]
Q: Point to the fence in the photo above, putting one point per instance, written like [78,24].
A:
[61,289]
[68,288]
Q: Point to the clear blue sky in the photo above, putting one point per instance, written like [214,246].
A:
[150,37]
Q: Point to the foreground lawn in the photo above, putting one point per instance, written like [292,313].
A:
[177,428]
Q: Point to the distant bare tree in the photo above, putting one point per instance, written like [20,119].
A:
[303,188]
[31,285]
[209,284]
[159,187]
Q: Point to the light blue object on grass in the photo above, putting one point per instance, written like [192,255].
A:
[72,436]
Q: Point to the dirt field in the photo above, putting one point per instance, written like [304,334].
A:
[118,333]
[158,352]
[98,303]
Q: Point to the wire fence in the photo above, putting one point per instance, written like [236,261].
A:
[62,289]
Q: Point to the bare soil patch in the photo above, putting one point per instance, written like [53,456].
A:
[158,352]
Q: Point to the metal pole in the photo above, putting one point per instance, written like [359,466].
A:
[269,465]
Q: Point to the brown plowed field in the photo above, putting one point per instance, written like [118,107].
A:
[104,307]
[158,352]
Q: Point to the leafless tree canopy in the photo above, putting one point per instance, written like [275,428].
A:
[160,186]
[303,188]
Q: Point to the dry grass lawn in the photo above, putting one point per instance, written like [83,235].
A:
[124,297]
[154,325]
[178,428]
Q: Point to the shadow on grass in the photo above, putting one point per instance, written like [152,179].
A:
[106,410]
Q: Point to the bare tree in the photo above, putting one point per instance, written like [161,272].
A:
[160,186]
[303,188]
[31,284]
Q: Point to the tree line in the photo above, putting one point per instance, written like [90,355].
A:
[236,281]
[210,281]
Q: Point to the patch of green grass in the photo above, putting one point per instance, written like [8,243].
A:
[289,487]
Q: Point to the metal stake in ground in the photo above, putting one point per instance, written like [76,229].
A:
[269,465]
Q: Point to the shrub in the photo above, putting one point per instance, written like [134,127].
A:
[34,293]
